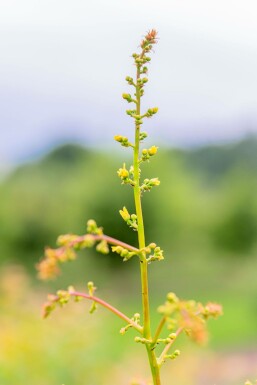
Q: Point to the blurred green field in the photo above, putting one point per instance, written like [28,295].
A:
[204,216]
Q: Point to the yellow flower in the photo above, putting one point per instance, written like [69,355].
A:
[152,150]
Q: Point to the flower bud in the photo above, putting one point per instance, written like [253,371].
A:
[88,241]
[130,112]
[173,336]
[177,353]
[155,182]
[102,247]
[91,226]
[118,138]
[127,97]
[71,289]
[142,135]
[124,253]
[171,297]
[129,79]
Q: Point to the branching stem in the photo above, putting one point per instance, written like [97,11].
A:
[168,346]
[110,240]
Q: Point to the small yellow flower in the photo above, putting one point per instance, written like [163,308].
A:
[118,138]
[123,172]
[124,214]
[152,150]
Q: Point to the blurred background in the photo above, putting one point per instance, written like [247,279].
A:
[63,66]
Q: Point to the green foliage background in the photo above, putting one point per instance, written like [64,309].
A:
[204,216]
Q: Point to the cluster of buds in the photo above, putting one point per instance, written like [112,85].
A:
[103,247]
[147,153]
[131,220]
[126,175]
[156,256]
[48,268]
[171,337]
[124,253]
[170,306]
[154,251]
[133,114]
[92,228]
[138,118]
[61,298]
[148,184]
[188,315]
[72,240]
[172,356]
[130,81]
[149,40]
[211,309]
[128,98]
[151,111]
[142,136]
[123,140]
[142,81]
[142,340]
[91,290]
[146,44]
[135,319]
[140,59]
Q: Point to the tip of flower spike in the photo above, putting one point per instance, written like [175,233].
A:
[151,35]
[149,39]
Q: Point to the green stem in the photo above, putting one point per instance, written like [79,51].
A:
[158,330]
[155,368]
[141,240]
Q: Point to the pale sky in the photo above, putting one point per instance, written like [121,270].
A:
[63,64]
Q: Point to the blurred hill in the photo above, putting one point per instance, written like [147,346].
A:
[61,191]
[216,161]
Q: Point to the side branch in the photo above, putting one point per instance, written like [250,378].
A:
[69,244]
[161,359]
[104,304]
[158,330]
[110,240]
